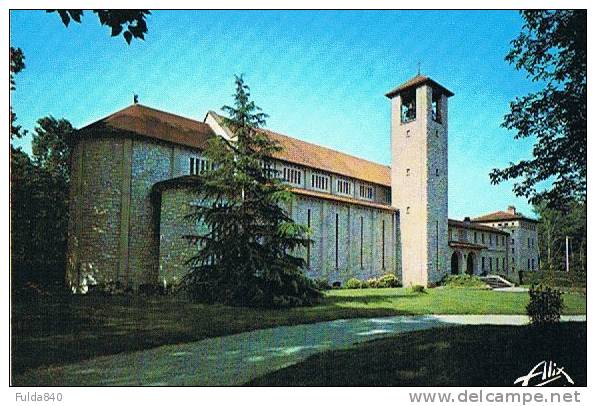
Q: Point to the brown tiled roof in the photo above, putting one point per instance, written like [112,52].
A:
[326,159]
[416,81]
[316,156]
[502,215]
[148,122]
[342,199]
[473,226]
[461,244]
[157,124]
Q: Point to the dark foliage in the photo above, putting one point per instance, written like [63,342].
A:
[133,20]
[321,284]
[545,305]
[552,50]
[17,64]
[247,255]
[39,205]
[554,227]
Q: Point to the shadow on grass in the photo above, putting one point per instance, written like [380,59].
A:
[57,330]
[453,356]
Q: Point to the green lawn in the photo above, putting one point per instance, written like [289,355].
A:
[446,301]
[453,356]
[58,329]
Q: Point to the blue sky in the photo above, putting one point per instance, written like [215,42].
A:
[321,76]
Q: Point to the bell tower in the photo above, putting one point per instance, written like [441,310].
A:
[419,177]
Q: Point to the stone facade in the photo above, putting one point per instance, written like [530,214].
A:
[95,207]
[140,230]
[174,204]
[114,230]
[523,240]
[348,240]
[478,250]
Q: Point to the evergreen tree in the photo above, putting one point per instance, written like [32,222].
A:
[247,256]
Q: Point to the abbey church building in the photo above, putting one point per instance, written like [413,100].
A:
[130,193]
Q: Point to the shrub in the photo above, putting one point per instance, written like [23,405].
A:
[372,283]
[558,279]
[149,289]
[353,283]
[417,289]
[464,281]
[364,285]
[545,305]
[388,280]
[321,284]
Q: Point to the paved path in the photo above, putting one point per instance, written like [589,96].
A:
[512,289]
[239,358]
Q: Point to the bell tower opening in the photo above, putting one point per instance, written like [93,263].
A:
[408,107]
[436,106]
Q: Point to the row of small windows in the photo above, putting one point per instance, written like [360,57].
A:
[292,175]
[500,264]
[498,261]
[499,240]
[527,226]
[269,170]
[366,192]
[198,166]
[320,182]
[344,187]
[506,224]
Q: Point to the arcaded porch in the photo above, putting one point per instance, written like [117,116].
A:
[464,258]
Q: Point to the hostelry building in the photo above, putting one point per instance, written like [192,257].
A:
[130,194]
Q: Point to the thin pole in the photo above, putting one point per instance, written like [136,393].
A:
[567,253]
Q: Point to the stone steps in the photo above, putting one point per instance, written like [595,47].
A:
[496,282]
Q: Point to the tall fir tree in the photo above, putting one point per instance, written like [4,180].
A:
[249,255]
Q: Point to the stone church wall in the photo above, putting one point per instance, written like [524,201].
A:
[119,233]
[174,250]
[95,207]
[350,218]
